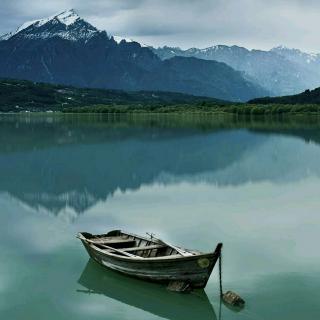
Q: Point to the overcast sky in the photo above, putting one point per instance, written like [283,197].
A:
[186,23]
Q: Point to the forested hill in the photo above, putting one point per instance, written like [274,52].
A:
[19,95]
[306,97]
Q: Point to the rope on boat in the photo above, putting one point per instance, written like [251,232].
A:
[220,274]
[220,283]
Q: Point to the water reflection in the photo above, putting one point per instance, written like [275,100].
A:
[150,297]
[71,163]
[254,185]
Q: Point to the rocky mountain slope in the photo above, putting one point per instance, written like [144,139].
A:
[66,49]
[281,71]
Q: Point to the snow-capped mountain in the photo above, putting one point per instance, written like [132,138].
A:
[66,49]
[298,56]
[282,71]
[65,25]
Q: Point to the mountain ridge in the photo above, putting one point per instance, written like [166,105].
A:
[281,71]
[78,54]
[60,25]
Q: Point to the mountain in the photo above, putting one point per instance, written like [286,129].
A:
[22,95]
[281,71]
[202,77]
[306,97]
[65,49]
[66,25]
[308,60]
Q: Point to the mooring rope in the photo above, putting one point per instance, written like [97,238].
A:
[220,283]
[220,274]
[229,297]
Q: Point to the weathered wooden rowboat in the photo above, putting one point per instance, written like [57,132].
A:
[151,259]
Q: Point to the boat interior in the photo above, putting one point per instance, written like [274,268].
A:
[125,244]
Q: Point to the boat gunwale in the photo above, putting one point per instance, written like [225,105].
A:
[196,256]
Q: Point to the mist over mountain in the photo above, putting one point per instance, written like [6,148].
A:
[281,71]
[65,49]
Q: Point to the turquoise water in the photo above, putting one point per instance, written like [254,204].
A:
[194,181]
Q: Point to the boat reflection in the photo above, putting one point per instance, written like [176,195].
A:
[150,297]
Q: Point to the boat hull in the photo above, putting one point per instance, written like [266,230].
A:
[194,270]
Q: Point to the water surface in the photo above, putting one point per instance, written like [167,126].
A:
[193,180]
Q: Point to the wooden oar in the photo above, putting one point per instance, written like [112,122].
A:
[182,252]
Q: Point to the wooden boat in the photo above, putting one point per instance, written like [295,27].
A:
[151,259]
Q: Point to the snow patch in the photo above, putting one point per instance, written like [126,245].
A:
[6,36]
[68,18]
[72,36]
[26,25]
[71,31]
[118,40]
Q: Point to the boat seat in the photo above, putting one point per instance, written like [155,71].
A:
[156,246]
[115,242]
[110,240]
[118,241]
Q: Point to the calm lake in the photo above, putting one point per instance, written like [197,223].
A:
[193,180]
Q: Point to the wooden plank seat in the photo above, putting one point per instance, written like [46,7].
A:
[123,241]
[110,240]
[115,242]
[156,246]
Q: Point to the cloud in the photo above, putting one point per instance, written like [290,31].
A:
[187,23]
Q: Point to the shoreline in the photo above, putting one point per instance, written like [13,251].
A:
[145,112]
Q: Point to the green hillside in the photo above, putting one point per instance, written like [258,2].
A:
[20,95]
[306,97]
